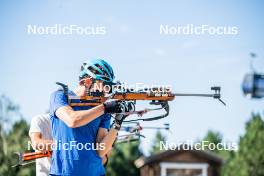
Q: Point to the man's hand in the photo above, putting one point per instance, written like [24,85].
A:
[118,107]
[115,106]
[119,117]
[110,106]
[38,143]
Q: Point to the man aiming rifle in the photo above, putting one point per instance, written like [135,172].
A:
[84,124]
[83,117]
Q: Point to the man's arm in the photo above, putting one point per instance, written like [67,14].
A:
[75,119]
[102,132]
[107,138]
[38,143]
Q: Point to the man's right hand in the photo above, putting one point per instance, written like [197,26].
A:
[122,107]
[112,106]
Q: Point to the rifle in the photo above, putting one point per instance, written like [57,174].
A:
[132,136]
[27,158]
[30,157]
[157,96]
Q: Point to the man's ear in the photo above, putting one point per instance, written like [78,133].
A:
[87,82]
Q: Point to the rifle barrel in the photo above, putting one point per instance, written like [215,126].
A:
[192,95]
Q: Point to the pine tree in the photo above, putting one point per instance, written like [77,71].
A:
[159,137]
[249,159]
[217,138]
[121,160]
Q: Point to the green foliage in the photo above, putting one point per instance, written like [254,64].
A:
[3,167]
[121,160]
[13,140]
[217,138]
[16,141]
[249,159]
[18,136]
[156,143]
[213,136]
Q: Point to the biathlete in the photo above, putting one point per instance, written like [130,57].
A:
[76,130]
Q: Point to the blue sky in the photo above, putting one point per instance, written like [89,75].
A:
[31,64]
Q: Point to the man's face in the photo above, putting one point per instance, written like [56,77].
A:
[101,87]
[97,86]
[94,86]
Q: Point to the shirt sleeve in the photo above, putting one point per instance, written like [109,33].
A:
[35,125]
[105,121]
[58,99]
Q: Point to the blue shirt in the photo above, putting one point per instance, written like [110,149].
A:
[75,161]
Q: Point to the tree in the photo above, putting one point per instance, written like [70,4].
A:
[3,166]
[14,137]
[122,159]
[249,159]
[18,141]
[213,137]
[159,137]
[216,137]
